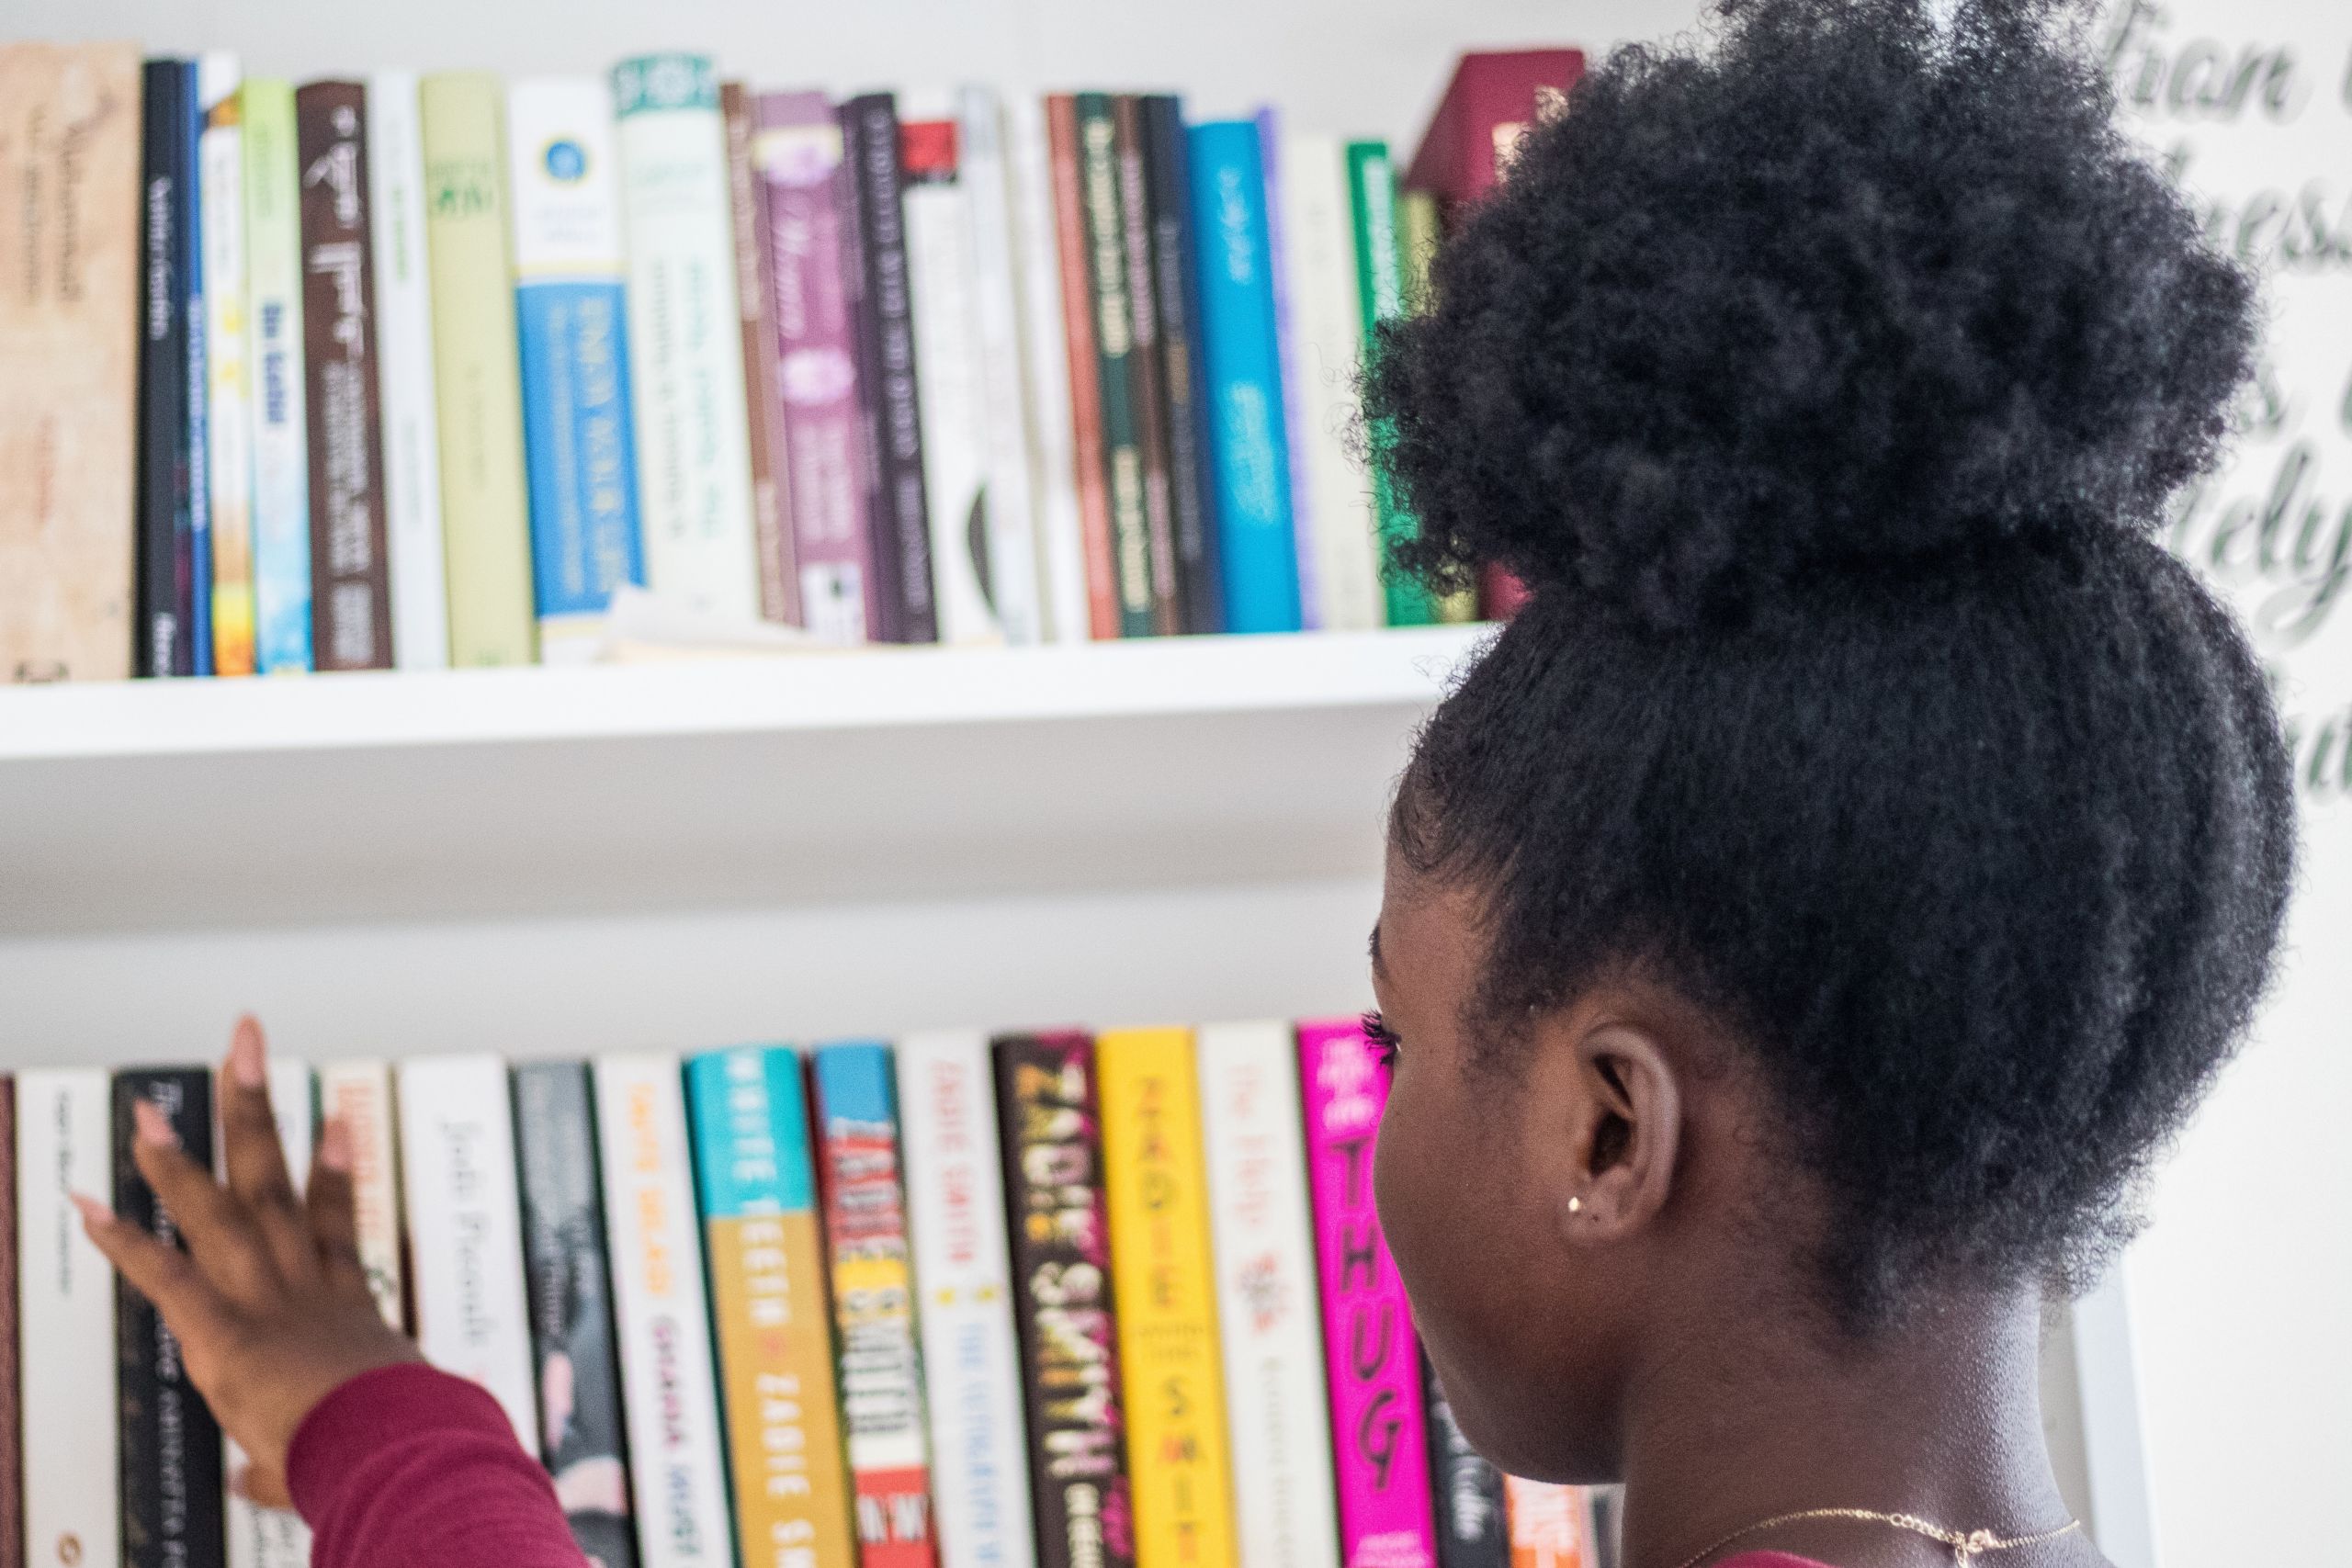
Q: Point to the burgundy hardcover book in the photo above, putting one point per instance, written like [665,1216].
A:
[12,1468]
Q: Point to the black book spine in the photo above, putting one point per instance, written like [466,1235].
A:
[170,1445]
[899,512]
[567,1270]
[1192,482]
[1052,1149]
[1472,1531]
[1145,361]
[165,643]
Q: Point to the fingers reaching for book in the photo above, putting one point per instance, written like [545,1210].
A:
[332,1210]
[163,1274]
[253,1158]
[218,1233]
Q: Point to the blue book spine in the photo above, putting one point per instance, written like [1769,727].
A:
[1242,355]
[572,322]
[750,1125]
[196,504]
[281,419]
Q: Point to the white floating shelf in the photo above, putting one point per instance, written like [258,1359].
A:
[887,774]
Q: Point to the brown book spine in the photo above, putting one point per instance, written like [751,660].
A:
[762,399]
[12,1456]
[351,605]
[70,153]
[1085,396]
[1146,373]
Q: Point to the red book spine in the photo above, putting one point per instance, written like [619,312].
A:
[1085,394]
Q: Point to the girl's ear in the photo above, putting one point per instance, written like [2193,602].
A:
[1623,1109]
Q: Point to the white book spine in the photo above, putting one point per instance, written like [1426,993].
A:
[1044,370]
[669,1384]
[229,458]
[404,385]
[65,1315]
[456,1129]
[693,445]
[1266,1295]
[955,430]
[1013,580]
[359,1095]
[962,1273]
[1319,234]
[258,1537]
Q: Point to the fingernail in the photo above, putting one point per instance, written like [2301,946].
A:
[154,1127]
[334,1146]
[95,1215]
[245,1055]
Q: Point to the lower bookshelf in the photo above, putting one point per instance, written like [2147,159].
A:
[887,774]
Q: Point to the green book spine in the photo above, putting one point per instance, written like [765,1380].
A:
[485,513]
[1380,285]
[1417,234]
[1115,344]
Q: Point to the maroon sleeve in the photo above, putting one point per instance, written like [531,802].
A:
[406,1465]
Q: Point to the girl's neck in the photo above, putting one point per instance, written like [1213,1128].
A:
[1938,1417]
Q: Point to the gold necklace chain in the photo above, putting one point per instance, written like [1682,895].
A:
[1965,1547]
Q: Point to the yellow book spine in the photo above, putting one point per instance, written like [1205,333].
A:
[1155,1181]
[485,509]
[776,1354]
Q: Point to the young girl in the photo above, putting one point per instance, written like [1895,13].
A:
[1809,918]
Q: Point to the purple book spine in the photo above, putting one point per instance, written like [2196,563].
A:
[797,152]
[1302,508]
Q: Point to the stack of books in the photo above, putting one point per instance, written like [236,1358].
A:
[1114,1302]
[411,372]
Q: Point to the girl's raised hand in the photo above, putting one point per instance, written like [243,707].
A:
[269,1302]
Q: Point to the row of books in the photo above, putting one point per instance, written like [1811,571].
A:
[951,1302]
[421,371]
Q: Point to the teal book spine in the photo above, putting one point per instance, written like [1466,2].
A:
[1380,285]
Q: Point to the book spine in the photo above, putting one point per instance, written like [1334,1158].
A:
[1326,318]
[228,420]
[971,1356]
[162,379]
[1113,318]
[1147,387]
[897,508]
[1551,1526]
[1378,1431]
[464,1229]
[662,1310]
[798,154]
[1243,369]
[1465,1490]
[881,1371]
[692,440]
[938,209]
[170,1445]
[351,605]
[1306,495]
[1175,266]
[259,1537]
[196,448]
[280,412]
[1380,286]
[1015,590]
[568,1285]
[477,393]
[763,423]
[1267,1298]
[404,377]
[69,331]
[11,1467]
[1418,231]
[359,1095]
[1155,1187]
[1090,463]
[758,1184]
[66,1307]
[1052,1150]
[571,321]
[1045,371]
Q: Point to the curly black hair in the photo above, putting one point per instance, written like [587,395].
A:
[1826,380]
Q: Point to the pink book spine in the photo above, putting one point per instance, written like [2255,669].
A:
[797,154]
[1378,1435]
